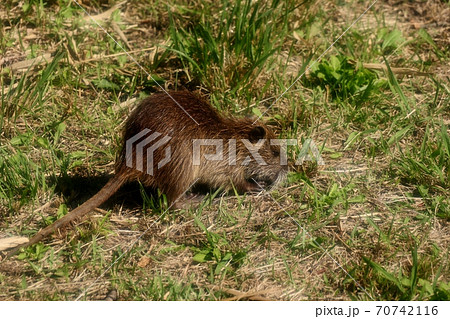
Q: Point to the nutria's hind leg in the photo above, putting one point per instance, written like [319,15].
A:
[175,194]
[177,197]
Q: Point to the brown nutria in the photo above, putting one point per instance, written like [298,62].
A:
[182,123]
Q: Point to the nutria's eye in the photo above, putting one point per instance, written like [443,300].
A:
[257,133]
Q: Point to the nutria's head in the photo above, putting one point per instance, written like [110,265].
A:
[261,157]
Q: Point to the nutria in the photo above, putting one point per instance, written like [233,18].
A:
[175,125]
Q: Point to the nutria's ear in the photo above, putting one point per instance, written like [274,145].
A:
[257,133]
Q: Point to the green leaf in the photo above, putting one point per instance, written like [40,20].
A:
[392,39]
[398,135]
[221,265]
[59,129]
[105,84]
[256,111]
[336,155]
[22,139]
[380,270]
[335,63]
[43,142]
[351,139]
[200,257]
[62,210]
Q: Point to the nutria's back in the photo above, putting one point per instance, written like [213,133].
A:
[189,116]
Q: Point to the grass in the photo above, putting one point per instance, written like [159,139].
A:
[376,105]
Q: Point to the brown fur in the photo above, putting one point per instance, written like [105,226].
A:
[159,113]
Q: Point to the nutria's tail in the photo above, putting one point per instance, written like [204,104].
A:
[78,213]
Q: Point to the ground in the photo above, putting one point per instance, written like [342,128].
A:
[369,223]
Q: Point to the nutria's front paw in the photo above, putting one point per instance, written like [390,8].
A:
[254,187]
